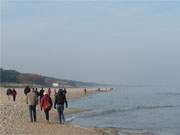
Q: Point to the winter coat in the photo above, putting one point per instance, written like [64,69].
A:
[31,98]
[46,102]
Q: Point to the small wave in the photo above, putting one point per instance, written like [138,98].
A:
[172,93]
[153,107]
[70,119]
[131,131]
[110,111]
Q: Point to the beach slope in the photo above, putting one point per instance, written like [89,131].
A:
[14,119]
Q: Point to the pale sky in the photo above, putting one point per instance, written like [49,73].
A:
[134,42]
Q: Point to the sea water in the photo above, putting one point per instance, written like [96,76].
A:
[148,108]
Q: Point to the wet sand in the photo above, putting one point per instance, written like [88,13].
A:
[14,118]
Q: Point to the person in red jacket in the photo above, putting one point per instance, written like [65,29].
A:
[14,94]
[46,104]
[49,91]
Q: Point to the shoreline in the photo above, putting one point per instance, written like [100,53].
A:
[14,117]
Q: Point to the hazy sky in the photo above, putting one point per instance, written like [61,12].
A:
[134,42]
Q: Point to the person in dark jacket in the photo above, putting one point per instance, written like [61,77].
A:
[41,93]
[27,90]
[37,92]
[14,94]
[9,93]
[60,100]
[46,104]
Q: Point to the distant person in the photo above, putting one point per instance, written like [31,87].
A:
[55,92]
[46,104]
[99,89]
[32,101]
[85,91]
[64,91]
[14,94]
[41,93]
[27,90]
[49,91]
[60,99]
[9,93]
[37,92]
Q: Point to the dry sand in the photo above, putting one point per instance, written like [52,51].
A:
[14,118]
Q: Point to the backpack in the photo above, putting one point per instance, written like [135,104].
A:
[47,104]
[60,98]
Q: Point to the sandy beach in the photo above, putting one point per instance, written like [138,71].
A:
[14,118]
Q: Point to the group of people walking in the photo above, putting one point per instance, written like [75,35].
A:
[33,97]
